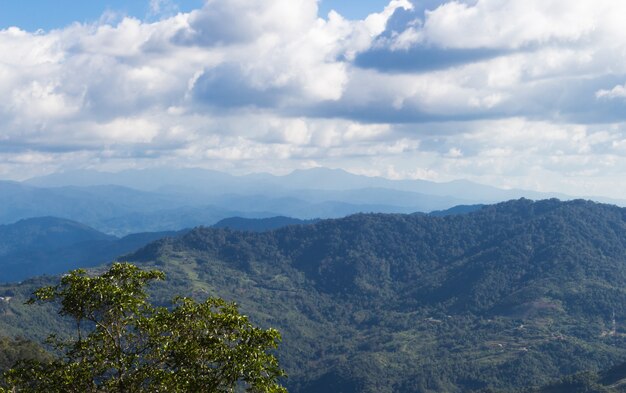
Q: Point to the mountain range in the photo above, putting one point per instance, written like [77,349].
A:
[156,200]
[495,299]
[50,245]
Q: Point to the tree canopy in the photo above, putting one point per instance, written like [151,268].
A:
[123,343]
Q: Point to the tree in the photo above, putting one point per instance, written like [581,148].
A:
[125,344]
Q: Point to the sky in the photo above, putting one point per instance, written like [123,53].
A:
[512,93]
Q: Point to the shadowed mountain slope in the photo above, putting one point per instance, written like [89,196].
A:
[50,245]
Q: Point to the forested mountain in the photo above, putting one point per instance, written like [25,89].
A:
[460,209]
[515,294]
[42,233]
[612,380]
[50,245]
[260,224]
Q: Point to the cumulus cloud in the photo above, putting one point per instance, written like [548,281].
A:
[618,91]
[432,89]
[240,54]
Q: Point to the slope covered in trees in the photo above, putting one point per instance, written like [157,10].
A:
[514,294]
[260,224]
[51,245]
[612,380]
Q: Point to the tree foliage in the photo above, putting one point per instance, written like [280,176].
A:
[123,343]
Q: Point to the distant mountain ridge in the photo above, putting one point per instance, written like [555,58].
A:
[208,181]
[171,199]
[120,210]
[50,245]
[112,209]
[45,232]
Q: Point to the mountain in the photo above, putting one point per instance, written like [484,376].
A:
[337,203]
[206,182]
[119,210]
[172,219]
[260,224]
[163,199]
[510,295]
[607,381]
[43,233]
[112,209]
[50,245]
[88,205]
[460,209]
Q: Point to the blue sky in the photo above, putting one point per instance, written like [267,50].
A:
[45,14]
[515,94]
[350,8]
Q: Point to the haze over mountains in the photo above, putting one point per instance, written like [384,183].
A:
[172,199]
[208,182]
[484,295]
[50,245]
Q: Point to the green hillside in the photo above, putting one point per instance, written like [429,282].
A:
[513,295]
[260,224]
[612,380]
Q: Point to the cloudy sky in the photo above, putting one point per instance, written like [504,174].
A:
[513,93]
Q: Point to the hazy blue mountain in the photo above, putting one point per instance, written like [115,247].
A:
[50,245]
[83,204]
[212,182]
[112,209]
[146,179]
[389,199]
[260,224]
[45,233]
[173,219]
[171,199]
[120,210]
[317,207]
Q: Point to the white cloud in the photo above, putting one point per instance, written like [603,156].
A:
[506,92]
[618,91]
[405,40]
[512,23]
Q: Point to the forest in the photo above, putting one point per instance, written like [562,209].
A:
[513,296]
